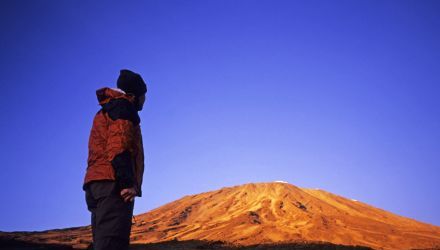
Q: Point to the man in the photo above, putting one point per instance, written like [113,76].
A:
[115,162]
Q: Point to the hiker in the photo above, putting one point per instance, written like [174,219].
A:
[115,163]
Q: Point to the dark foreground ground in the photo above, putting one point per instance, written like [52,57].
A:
[11,244]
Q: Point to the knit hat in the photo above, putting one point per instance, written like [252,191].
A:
[131,82]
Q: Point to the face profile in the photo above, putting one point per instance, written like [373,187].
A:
[140,102]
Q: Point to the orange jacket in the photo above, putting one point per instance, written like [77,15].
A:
[115,142]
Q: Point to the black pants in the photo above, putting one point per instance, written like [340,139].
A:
[111,216]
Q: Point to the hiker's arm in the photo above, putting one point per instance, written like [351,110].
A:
[120,143]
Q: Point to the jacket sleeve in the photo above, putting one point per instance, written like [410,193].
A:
[121,127]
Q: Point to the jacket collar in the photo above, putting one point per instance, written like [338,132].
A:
[106,94]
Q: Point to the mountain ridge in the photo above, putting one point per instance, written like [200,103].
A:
[271,213]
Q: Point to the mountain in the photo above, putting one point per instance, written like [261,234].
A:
[266,213]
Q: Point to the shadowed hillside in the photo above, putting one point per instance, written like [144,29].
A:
[186,245]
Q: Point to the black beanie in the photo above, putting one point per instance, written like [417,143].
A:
[131,82]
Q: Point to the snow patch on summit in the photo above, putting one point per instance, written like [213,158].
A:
[281,182]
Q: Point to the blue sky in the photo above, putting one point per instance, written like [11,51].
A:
[337,95]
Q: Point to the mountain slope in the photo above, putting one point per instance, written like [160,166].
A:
[266,213]
[281,212]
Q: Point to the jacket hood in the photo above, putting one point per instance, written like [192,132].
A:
[106,94]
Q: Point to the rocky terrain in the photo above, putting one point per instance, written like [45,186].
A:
[254,215]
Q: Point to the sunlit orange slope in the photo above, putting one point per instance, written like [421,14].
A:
[281,212]
[264,213]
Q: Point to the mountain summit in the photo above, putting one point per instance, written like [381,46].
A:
[280,212]
[268,213]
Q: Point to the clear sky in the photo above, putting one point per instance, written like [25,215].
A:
[337,95]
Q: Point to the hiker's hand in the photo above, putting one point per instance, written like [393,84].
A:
[128,194]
